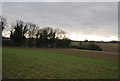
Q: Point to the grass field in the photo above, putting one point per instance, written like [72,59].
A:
[32,64]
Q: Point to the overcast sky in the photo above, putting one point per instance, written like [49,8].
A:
[81,20]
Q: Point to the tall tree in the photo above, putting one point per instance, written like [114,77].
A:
[45,37]
[31,34]
[32,30]
[18,33]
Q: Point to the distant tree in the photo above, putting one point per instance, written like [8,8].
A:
[60,34]
[48,37]
[52,38]
[18,33]
[3,22]
[32,30]
[61,40]
[31,34]
[62,43]
[45,37]
[85,41]
[114,41]
[67,42]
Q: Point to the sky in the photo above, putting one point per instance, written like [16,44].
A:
[81,20]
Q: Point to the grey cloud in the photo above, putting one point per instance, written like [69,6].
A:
[99,18]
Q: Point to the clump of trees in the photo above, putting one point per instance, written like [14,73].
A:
[18,32]
[26,34]
[114,41]
[30,35]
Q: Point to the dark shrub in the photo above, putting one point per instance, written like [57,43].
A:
[93,46]
[90,46]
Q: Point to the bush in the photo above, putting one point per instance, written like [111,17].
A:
[90,46]
[93,46]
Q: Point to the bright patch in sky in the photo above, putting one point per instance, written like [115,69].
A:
[90,37]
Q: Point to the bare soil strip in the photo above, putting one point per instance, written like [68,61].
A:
[102,55]
[110,56]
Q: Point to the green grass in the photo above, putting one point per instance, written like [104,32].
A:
[30,64]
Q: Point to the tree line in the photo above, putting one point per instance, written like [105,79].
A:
[28,34]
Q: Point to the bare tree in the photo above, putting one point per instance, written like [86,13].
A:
[60,34]
[32,30]
[3,22]
[31,34]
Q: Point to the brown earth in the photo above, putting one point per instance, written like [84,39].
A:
[109,47]
[103,55]
[110,52]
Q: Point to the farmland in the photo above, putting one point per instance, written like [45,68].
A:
[37,63]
